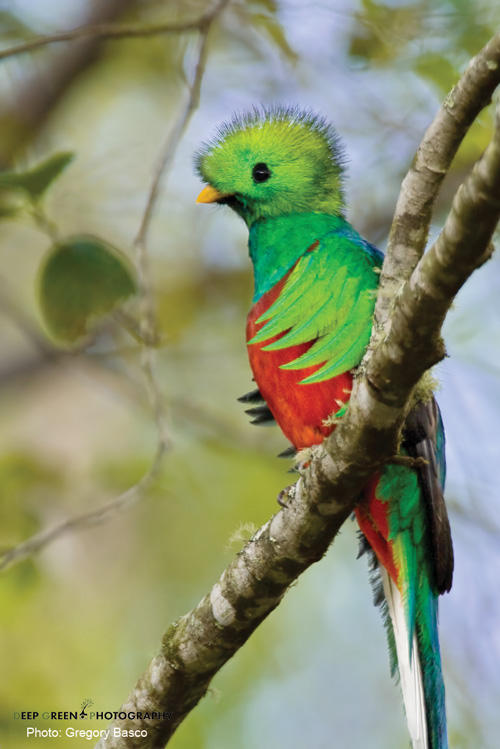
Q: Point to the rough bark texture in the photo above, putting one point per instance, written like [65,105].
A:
[463,245]
[200,642]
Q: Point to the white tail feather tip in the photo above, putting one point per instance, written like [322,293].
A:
[410,671]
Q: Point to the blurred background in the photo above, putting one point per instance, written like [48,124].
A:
[83,618]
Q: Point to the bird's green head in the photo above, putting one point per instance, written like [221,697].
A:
[273,162]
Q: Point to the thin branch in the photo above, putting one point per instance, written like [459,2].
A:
[167,152]
[101,514]
[197,645]
[107,31]
[165,159]
[410,226]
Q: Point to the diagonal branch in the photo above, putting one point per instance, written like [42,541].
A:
[410,226]
[100,514]
[463,245]
[197,645]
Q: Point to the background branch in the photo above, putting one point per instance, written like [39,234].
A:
[148,324]
[107,31]
[101,514]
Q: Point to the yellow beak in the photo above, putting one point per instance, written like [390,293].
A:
[210,195]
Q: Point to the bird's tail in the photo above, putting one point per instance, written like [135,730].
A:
[416,656]
[396,530]
[404,522]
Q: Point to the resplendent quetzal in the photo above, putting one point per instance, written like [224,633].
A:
[281,170]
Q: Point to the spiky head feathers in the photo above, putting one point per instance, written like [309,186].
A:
[274,162]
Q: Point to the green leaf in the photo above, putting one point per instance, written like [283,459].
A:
[82,280]
[36,180]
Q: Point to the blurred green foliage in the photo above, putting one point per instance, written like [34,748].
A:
[383,31]
[25,482]
[386,32]
[77,430]
[433,40]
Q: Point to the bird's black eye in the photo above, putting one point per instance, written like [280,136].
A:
[261,172]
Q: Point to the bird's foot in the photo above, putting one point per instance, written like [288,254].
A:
[286,495]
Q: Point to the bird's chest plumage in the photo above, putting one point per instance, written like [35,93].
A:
[299,409]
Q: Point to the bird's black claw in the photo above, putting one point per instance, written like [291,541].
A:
[253,397]
[261,412]
[261,415]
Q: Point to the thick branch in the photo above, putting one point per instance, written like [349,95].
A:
[463,245]
[199,643]
[410,226]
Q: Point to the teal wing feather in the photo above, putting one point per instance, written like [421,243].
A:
[328,298]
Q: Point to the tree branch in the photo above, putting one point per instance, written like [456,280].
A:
[107,31]
[463,245]
[165,159]
[104,512]
[410,226]
[199,643]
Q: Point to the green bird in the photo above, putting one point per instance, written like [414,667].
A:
[282,170]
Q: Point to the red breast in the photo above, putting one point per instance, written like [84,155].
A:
[300,410]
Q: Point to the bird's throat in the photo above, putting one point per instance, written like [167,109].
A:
[276,244]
